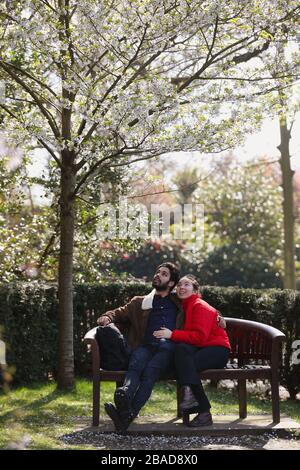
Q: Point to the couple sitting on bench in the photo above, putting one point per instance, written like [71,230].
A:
[165,328]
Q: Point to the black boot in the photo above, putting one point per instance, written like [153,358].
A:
[189,401]
[122,401]
[202,419]
[121,422]
[114,415]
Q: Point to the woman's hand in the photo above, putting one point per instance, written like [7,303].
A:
[221,322]
[163,333]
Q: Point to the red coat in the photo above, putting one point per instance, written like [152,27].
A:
[200,325]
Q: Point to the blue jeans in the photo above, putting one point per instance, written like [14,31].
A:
[146,365]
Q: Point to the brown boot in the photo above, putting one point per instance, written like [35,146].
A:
[189,401]
[202,419]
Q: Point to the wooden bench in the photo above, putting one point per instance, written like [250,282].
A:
[256,354]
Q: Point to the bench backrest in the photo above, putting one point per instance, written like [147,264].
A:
[252,342]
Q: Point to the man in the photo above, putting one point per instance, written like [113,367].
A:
[151,357]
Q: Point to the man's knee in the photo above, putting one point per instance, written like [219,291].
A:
[136,365]
[138,360]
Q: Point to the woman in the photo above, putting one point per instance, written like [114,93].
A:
[201,345]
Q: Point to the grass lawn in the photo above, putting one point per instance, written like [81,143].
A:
[41,415]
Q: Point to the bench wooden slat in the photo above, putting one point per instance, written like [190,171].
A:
[210,374]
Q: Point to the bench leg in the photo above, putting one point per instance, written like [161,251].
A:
[186,418]
[242,394]
[275,398]
[96,402]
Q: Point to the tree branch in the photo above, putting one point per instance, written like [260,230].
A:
[210,59]
[32,93]
[93,169]
[48,246]
[27,74]
[44,144]
[250,55]
[114,84]
[48,5]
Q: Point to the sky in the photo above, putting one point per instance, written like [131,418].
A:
[263,143]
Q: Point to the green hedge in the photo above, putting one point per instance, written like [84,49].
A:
[28,320]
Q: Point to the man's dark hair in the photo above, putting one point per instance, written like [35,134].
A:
[174,271]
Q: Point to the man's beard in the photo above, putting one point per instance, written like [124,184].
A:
[160,287]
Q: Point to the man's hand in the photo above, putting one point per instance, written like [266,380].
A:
[103,321]
[163,333]
[221,322]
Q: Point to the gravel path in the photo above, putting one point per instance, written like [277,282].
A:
[268,441]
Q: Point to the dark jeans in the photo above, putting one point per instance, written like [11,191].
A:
[190,360]
[146,365]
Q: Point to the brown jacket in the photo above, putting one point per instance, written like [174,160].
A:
[134,319]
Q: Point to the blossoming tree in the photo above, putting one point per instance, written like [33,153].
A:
[101,84]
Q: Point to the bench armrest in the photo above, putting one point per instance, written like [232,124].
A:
[256,326]
[275,337]
[90,335]
[91,341]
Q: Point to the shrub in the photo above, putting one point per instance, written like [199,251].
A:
[28,317]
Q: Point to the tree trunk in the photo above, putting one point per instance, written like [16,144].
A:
[65,275]
[288,206]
